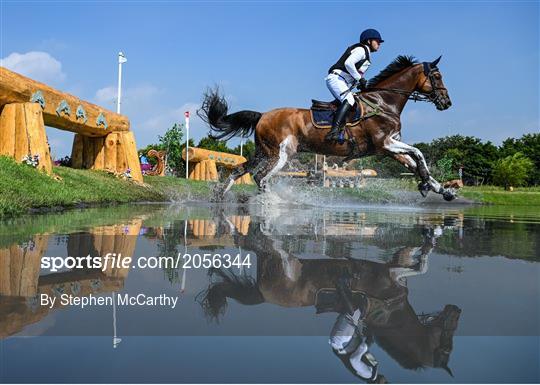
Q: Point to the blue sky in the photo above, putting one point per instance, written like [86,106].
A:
[275,54]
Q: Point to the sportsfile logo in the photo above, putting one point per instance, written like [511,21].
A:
[118,261]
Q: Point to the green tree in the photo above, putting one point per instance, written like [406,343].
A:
[528,145]
[248,149]
[476,157]
[444,169]
[172,142]
[209,143]
[512,170]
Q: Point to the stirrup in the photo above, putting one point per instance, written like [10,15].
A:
[335,135]
[341,137]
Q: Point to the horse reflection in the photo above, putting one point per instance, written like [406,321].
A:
[370,299]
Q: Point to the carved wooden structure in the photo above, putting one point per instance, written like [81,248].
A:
[203,164]
[103,140]
[159,168]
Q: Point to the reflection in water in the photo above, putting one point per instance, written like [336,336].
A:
[352,275]
[369,298]
[21,284]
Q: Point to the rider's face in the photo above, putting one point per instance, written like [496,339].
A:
[374,45]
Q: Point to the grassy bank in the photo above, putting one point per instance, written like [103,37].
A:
[23,189]
[525,196]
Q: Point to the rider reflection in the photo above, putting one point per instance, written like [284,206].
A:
[348,341]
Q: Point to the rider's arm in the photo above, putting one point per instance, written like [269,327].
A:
[356,55]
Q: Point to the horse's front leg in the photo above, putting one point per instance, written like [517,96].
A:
[414,160]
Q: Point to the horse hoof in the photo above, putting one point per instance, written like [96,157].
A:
[423,188]
[449,195]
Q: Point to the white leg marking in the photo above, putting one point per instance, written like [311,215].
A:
[399,273]
[398,147]
[229,185]
[436,186]
[283,157]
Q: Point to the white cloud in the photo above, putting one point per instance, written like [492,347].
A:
[37,65]
[133,98]
[160,123]
[105,95]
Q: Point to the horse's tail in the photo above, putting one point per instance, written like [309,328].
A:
[214,110]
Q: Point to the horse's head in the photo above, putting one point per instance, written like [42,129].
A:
[420,341]
[430,84]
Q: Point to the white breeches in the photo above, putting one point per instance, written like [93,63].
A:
[342,340]
[343,331]
[340,88]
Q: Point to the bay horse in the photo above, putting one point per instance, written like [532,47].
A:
[282,132]
[283,279]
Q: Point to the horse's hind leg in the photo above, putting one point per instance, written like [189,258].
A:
[237,173]
[287,148]
[250,166]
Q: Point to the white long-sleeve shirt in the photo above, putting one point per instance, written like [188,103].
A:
[357,54]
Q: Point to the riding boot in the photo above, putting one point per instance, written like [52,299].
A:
[339,121]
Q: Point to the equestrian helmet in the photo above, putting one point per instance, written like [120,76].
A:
[369,34]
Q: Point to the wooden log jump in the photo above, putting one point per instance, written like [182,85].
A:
[356,177]
[103,140]
[203,164]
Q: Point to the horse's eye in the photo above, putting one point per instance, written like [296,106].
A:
[438,76]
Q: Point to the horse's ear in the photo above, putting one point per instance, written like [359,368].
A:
[434,63]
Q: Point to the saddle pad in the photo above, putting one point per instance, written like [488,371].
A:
[328,300]
[324,118]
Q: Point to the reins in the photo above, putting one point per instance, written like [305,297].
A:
[415,95]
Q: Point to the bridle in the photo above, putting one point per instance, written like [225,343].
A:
[416,96]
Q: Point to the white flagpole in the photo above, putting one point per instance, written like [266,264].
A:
[121,59]
[186,116]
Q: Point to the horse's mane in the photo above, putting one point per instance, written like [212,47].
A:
[400,63]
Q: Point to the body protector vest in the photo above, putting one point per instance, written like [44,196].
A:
[361,66]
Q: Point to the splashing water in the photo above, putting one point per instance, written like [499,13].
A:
[376,192]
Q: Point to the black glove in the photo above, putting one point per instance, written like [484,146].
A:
[361,84]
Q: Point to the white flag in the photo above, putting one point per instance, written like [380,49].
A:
[121,58]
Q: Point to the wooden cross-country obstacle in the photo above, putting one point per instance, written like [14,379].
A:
[339,177]
[103,140]
[203,164]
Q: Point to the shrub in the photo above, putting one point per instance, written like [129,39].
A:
[512,170]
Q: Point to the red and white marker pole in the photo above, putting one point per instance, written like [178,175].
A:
[186,116]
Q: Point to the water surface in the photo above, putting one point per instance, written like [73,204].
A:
[453,294]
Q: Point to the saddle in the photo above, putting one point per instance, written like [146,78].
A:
[322,113]
[378,311]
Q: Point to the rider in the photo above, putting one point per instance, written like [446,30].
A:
[347,337]
[347,73]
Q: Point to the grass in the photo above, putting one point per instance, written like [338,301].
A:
[24,189]
[523,196]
